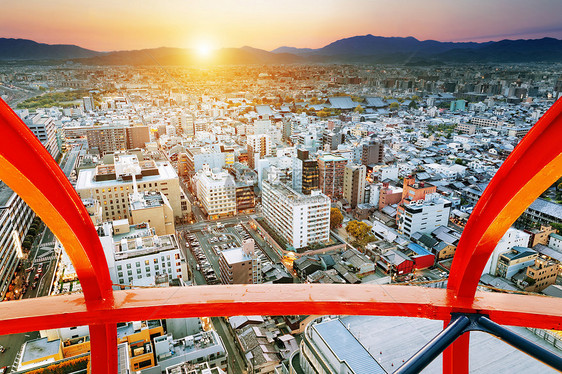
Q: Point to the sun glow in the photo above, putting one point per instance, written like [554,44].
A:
[203,49]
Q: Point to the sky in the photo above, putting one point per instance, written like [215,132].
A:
[108,25]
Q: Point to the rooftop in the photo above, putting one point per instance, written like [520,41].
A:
[40,348]
[347,348]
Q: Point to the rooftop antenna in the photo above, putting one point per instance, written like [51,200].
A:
[134,169]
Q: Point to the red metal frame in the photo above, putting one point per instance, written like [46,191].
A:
[31,172]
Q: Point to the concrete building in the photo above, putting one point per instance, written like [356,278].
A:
[195,158]
[111,185]
[305,173]
[354,184]
[331,171]
[109,139]
[512,238]
[217,192]
[518,258]
[135,255]
[15,219]
[153,208]
[39,352]
[423,216]
[205,346]
[43,127]
[299,219]
[258,147]
[373,153]
[240,265]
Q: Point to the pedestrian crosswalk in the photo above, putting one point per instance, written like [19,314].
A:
[45,258]
[48,244]
[16,361]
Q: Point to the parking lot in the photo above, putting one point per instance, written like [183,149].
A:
[207,244]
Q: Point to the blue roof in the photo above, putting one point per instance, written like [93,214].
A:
[347,348]
[418,249]
[343,102]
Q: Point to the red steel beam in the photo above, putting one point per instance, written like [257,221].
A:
[533,166]
[292,299]
[28,169]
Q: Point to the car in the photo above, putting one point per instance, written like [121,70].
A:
[3,370]
[40,268]
[37,276]
[34,285]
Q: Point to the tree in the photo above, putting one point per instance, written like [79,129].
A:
[394,105]
[359,109]
[412,105]
[358,229]
[336,218]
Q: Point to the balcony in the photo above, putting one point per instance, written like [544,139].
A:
[523,176]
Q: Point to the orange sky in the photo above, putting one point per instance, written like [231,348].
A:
[132,24]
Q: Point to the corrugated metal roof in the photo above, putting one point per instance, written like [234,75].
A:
[347,348]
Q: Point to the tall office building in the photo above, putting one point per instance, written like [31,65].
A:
[305,173]
[373,153]
[354,184]
[111,185]
[88,103]
[15,218]
[331,170]
[299,219]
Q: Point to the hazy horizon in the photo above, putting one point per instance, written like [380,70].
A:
[129,25]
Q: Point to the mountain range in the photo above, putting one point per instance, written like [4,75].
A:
[356,49]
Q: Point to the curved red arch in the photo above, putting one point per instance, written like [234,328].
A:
[31,172]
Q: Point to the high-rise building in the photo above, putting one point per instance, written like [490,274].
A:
[305,173]
[354,184]
[107,138]
[299,219]
[88,103]
[332,139]
[413,191]
[111,185]
[331,170]
[423,216]
[43,127]
[240,265]
[373,153]
[217,192]
[258,147]
[15,219]
[137,136]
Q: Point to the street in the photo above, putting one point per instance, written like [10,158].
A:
[235,360]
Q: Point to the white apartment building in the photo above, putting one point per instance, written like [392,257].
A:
[217,192]
[111,185]
[423,215]
[135,255]
[299,219]
[512,238]
[43,127]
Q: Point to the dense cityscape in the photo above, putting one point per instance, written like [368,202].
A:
[300,173]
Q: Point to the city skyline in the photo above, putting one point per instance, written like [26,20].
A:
[126,26]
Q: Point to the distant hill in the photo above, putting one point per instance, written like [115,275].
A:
[356,49]
[371,49]
[179,56]
[23,49]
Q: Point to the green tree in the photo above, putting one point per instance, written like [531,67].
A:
[336,218]
[412,105]
[394,105]
[359,109]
